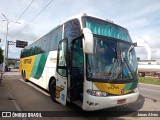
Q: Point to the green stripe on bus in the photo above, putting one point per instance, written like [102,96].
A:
[35,65]
[134,85]
[39,64]
[130,86]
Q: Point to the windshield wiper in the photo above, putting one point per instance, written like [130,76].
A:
[128,68]
[114,71]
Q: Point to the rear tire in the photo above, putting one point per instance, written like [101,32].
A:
[52,90]
[24,77]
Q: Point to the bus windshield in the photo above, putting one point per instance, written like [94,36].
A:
[112,60]
[104,28]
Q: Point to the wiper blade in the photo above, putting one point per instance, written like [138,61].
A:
[114,71]
[129,69]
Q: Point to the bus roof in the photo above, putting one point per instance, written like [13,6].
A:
[79,17]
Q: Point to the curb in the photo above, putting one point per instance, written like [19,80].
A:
[149,84]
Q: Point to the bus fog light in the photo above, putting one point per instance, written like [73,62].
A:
[97,93]
[97,104]
[91,104]
[104,94]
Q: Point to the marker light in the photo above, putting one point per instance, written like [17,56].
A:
[97,93]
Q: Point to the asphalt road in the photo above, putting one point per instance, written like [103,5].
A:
[151,95]
[23,96]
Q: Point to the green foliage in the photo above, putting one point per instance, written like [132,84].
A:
[1,56]
[155,81]
[11,62]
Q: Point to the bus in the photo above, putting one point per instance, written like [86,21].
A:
[88,61]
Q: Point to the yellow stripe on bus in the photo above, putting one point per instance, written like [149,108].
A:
[116,89]
[27,64]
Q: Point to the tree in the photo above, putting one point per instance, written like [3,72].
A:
[1,56]
[11,62]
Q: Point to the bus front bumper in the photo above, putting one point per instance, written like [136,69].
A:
[91,103]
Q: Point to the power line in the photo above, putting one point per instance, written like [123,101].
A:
[33,18]
[26,9]
[23,13]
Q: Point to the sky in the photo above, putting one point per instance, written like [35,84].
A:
[140,17]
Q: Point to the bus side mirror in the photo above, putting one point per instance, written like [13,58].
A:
[88,41]
[134,44]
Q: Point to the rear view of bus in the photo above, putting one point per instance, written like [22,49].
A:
[111,65]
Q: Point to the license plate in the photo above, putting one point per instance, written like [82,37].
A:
[121,101]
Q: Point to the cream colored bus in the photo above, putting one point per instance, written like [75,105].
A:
[88,61]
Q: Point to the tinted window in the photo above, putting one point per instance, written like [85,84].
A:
[101,27]
[47,43]
[54,37]
[61,68]
[77,57]
[72,30]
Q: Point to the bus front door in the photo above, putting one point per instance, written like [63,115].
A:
[61,81]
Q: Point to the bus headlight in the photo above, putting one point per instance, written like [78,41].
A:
[97,93]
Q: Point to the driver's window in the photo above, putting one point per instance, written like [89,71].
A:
[61,67]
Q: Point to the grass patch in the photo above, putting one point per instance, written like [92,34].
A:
[153,81]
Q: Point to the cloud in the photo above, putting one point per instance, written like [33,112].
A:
[141,18]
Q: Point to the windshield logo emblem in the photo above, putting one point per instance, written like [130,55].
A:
[122,91]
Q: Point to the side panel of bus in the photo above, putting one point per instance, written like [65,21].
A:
[39,68]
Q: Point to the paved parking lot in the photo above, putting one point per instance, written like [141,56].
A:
[16,95]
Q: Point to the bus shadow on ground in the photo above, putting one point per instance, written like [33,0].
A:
[128,110]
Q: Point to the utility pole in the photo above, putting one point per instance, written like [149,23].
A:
[6,45]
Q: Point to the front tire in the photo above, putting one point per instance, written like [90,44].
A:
[52,90]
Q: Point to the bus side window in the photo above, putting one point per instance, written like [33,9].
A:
[62,66]
[72,30]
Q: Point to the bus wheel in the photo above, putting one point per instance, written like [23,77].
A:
[52,90]
[24,77]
